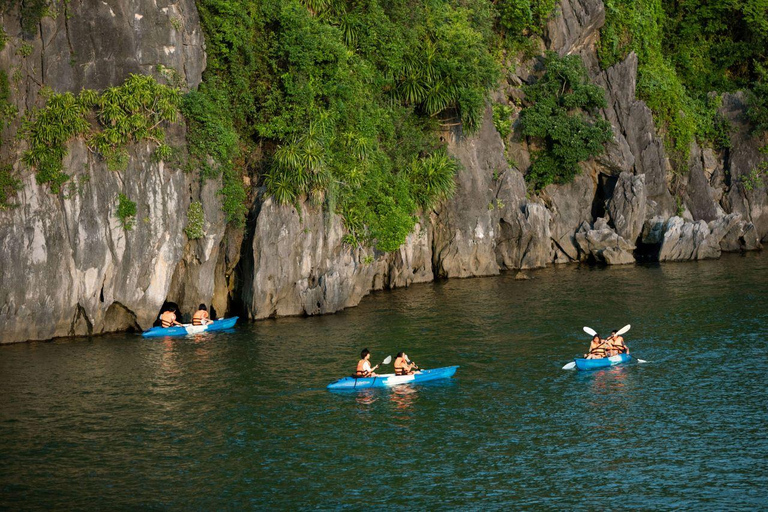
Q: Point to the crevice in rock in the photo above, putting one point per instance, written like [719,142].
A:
[81,324]
[120,318]
[241,280]
[101,294]
[603,192]
[646,252]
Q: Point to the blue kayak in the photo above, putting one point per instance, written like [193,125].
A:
[604,362]
[217,325]
[390,379]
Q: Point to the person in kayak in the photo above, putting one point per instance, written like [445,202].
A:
[402,366]
[364,365]
[168,319]
[201,316]
[597,349]
[616,344]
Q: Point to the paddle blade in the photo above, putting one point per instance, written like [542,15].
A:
[641,361]
[623,330]
[570,366]
[590,331]
[387,360]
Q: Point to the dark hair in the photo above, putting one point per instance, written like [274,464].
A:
[400,354]
[364,353]
[202,306]
[595,336]
[614,331]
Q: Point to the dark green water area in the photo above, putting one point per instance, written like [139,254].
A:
[242,420]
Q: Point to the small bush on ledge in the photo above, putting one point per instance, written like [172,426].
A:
[195,221]
[561,115]
[126,211]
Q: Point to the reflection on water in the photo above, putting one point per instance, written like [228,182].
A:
[242,419]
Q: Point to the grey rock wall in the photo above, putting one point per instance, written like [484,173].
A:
[67,267]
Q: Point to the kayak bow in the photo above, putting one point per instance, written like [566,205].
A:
[183,330]
[390,379]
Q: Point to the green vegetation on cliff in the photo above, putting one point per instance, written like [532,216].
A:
[135,111]
[686,50]
[343,99]
[561,115]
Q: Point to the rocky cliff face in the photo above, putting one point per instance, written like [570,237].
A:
[67,267]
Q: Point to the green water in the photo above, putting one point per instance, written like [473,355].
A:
[243,421]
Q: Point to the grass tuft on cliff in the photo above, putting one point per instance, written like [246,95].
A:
[135,111]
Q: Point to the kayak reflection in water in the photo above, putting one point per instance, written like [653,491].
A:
[364,365]
[403,366]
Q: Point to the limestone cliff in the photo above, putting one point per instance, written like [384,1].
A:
[67,266]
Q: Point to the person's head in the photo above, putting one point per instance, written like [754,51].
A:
[401,354]
[365,353]
[595,338]
[614,332]
[202,307]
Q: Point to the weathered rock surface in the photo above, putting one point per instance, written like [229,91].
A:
[633,122]
[698,240]
[570,206]
[98,44]
[576,25]
[627,206]
[69,268]
[748,194]
[602,244]
[699,195]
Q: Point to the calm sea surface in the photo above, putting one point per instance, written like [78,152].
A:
[242,420]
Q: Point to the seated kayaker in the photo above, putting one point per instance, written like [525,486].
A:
[402,366]
[616,344]
[597,349]
[201,316]
[364,365]
[168,319]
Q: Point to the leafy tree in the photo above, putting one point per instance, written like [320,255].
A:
[561,115]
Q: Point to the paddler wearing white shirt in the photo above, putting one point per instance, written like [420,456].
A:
[364,365]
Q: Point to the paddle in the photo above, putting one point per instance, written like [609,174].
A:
[411,362]
[386,360]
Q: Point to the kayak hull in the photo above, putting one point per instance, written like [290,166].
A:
[217,325]
[390,379]
[604,362]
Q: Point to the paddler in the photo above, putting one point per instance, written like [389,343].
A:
[364,365]
[403,366]
[168,319]
[201,316]
[616,344]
